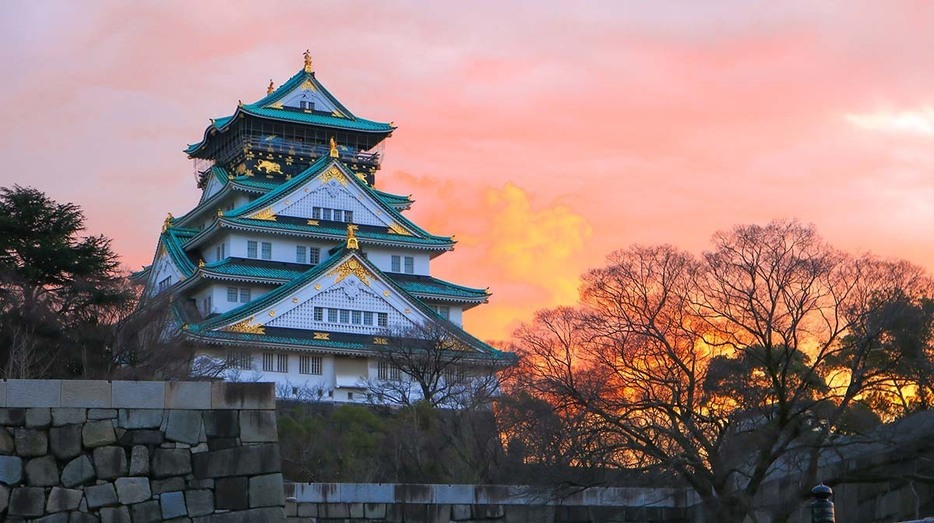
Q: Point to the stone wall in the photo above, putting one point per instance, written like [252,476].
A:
[124,451]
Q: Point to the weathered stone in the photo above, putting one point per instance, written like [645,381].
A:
[139,394]
[167,485]
[188,395]
[184,426]
[141,437]
[6,442]
[65,442]
[266,515]
[34,393]
[101,495]
[61,517]
[86,393]
[11,470]
[102,413]
[42,472]
[31,442]
[38,417]
[77,472]
[223,443]
[148,511]
[222,423]
[170,462]
[68,416]
[62,499]
[12,416]
[200,484]
[4,497]
[232,493]
[376,510]
[81,517]
[258,426]
[199,448]
[27,501]
[140,418]
[199,502]
[266,491]
[173,505]
[241,461]
[132,490]
[115,515]
[231,395]
[110,462]
[98,434]
[139,461]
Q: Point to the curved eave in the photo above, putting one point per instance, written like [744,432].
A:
[249,225]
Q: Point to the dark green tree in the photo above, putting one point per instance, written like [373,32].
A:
[60,292]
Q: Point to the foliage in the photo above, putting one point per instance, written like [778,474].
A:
[59,293]
[726,368]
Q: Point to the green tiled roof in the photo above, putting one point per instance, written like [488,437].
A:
[431,286]
[262,109]
[336,230]
[256,268]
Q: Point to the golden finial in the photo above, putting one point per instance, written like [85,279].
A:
[308,68]
[239,103]
[334,152]
[271,87]
[201,264]
[168,222]
[220,213]
[352,242]
[185,327]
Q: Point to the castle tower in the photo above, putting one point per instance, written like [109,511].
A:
[293,268]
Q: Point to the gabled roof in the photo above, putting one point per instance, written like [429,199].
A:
[270,107]
[238,324]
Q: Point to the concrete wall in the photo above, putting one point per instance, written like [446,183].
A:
[122,451]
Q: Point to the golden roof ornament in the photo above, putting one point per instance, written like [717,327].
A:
[168,222]
[352,242]
[201,263]
[308,68]
[334,152]
[271,88]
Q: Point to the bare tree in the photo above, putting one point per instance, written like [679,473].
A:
[718,369]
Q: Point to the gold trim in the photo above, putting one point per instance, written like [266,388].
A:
[168,222]
[295,300]
[323,336]
[308,85]
[265,214]
[272,314]
[313,222]
[386,293]
[270,88]
[308,67]
[349,267]
[352,242]
[317,286]
[247,327]
[380,341]
[395,228]
[334,153]
[334,174]
[362,178]
[268,166]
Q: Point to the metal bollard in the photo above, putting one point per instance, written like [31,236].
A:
[822,507]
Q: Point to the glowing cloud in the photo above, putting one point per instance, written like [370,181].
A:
[917,122]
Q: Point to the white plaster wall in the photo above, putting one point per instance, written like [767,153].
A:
[382,258]
[283,248]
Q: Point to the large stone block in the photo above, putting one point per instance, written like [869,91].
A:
[258,426]
[4,498]
[110,462]
[68,416]
[132,490]
[27,501]
[60,517]
[150,437]
[173,505]
[65,442]
[102,413]
[221,423]
[170,462]
[241,461]
[42,472]
[77,472]
[199,502]
[101,495]
[6,442]
[12,416]
[38,417]
[228,395]
[139,461]
[148,511]
[34,393]
[183,426]
[81,517]
[31,442]
[167,485]
[115,515]
[266,515]
[11,470]
[266,491]
[92,394]
[138,395]
[188,395]
[63,499]
[232,493]
[139,418]
[98,434]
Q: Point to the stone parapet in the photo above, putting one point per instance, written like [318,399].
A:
[134,451]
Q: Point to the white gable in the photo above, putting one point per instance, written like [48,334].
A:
[349,287]
[163,270]
[308,97]
[332,190]
[212,187]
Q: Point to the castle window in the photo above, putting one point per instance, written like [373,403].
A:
[221,251]
[443,310]
[409,265]
[319,314]
[238,359]
[332,315]
[306,105]
[241,294]
[345,316]
[251,249]
[367,318]
[310,365]
[388,371]
[316,213]
[267,251]
[338,215]
[356,317]
[269,360]
[382,319]
[282,363]
[165,283]
[206,306]
[396,264]
[300,254]
[314,255]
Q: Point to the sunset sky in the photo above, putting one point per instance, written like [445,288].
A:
[542,134]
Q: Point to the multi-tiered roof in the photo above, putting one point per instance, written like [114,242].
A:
[294,173]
